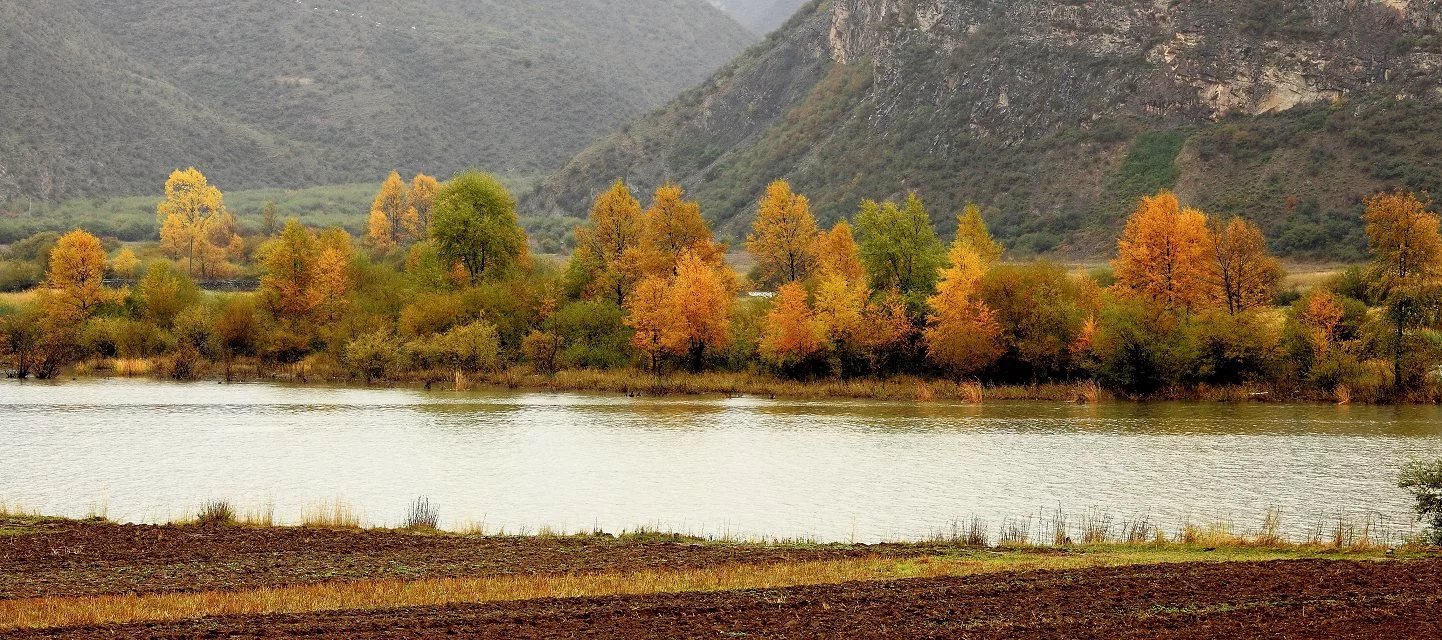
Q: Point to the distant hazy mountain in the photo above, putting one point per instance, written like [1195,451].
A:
[102,97]
[760,16]
[1055,115]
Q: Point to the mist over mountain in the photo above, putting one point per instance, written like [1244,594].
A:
[760,16]
[103,98]
[1055,116]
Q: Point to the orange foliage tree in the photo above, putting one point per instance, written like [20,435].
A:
[1242,275]
[783,237]
[793,334]
[1162,254]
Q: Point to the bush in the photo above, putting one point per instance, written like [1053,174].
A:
[593,335]
[1143,349]
[1424,481]
[372,355]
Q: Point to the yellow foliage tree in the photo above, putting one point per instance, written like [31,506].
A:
[333,274]
[839,305]
[1242,274]
[783,238]
[971,229]
[194,223]
[423,199]
[962,334]
[793,334]
[1322,316]
[837,253]
[77,276]
[288,285]
[671,226]
[1162,254]
[125,263]
[388,212]
[603,244]
[1406,264]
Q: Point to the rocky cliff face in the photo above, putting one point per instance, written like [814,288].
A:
[1056,114]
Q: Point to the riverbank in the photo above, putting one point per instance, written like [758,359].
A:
[640,383]
[98,579]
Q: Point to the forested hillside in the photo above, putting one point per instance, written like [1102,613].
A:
[104,98]
[1055,116]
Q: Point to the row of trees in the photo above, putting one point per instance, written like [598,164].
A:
[1189,300]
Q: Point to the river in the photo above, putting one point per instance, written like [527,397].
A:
[149,451]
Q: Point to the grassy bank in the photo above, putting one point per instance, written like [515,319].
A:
[722,383]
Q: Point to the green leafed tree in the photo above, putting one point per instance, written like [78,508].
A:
[474,223]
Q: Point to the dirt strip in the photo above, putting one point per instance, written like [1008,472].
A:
[1317,599]
[69,558]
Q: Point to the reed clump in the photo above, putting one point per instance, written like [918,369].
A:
[422,516]
[216,513]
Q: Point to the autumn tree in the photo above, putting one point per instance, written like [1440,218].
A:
[837,253]
[702,294]
[422,202]
[475,224]
[653,317]
[793,334]
[604,244]
[899,247]
[387,213]
[962,333]
[288,284]
[671,226]
[783,237]
[125,263]
[1162,254]
[971,229]
[1241,274]
[333,280]
[195,225]
[77,275]
[1406,265]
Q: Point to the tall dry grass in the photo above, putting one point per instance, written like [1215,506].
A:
[333,514]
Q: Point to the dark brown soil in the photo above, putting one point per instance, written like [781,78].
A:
[1287,599]
[60,557]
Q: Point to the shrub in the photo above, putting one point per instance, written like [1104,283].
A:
[1424,481]
[216,513]
[372,355]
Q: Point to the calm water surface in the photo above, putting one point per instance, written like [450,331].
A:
[848,470]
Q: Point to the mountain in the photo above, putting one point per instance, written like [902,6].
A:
[1055,115]
[103,97]
[760,16]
